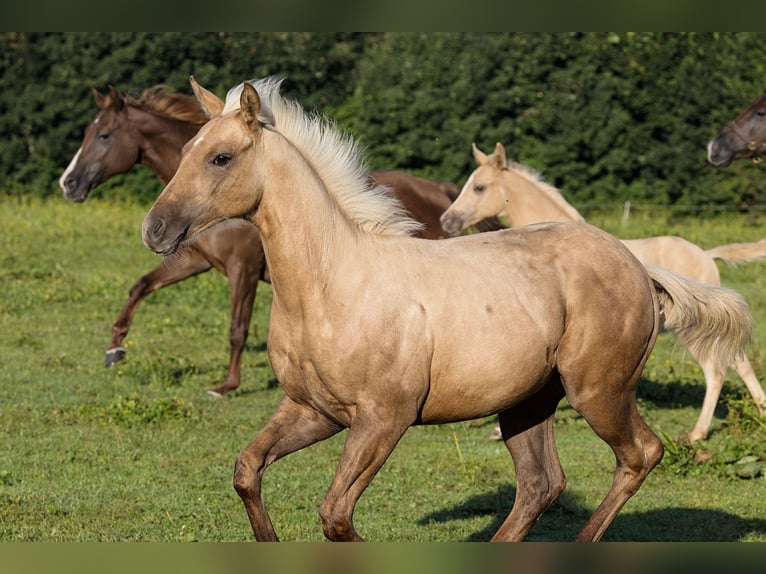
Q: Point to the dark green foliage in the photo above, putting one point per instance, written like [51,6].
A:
[607,117]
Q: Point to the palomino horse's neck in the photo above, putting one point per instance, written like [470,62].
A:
[529,200]
[301,226]
[161,140]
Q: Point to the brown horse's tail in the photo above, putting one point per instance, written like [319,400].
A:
[735,253]
[711,322]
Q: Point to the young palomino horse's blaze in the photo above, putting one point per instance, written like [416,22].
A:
[500,187]
[152,129]
[373,330]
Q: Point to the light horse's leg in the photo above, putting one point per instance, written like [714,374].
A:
[527,429]
[745,371]
[291,428]
[714,384]
[373,434]
[611,411]
[172,270]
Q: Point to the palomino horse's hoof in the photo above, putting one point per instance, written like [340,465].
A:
[114,355]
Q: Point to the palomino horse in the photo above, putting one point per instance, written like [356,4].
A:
[152,129]
[499,187]
[743,137]
[375,331]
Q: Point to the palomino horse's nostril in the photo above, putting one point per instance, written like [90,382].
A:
[158,229]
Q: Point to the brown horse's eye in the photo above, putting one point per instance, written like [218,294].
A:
[221,160]
[103,136]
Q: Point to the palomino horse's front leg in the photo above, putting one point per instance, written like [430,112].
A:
[291,428]
[371,439]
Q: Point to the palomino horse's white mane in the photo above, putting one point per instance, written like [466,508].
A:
[334,155]
[553,193]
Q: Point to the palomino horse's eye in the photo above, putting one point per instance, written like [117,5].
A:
[221,160]
[480,188]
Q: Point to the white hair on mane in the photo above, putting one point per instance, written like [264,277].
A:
[553,193]
[334,155]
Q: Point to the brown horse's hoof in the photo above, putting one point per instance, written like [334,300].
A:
[495,434]
[214,393]
[114,355]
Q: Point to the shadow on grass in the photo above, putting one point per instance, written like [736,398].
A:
[566,517]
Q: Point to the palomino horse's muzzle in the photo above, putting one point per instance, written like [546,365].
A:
[161,236]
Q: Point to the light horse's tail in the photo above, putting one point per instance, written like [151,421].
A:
[711,322]
[735,253]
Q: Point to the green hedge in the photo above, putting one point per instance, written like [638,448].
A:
[607,117]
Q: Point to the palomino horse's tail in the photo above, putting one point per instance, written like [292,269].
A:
[711,322]
[735,253]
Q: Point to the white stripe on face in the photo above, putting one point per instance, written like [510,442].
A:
[68,170]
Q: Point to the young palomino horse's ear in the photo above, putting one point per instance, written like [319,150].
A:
[498,157]
[211,104]
[250,104]
[480,157]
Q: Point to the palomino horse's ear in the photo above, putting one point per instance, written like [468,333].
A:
[250,104]
[117,100]
[498,157]
[100,99]
[480,157]
[211,104]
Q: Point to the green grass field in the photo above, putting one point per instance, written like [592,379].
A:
[139,452]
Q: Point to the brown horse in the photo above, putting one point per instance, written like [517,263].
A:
[744,137]
[151,130]
[374,331]
[499,187]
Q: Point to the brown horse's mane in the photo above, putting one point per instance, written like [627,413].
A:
[159,100]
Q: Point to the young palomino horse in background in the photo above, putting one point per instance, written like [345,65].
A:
[499,187]
[374,331]
[744,137]
[151,130]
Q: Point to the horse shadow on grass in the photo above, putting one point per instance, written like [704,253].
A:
[567,516]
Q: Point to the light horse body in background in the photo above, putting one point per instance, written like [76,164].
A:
[151,130]
[499,187]
[742,138]
[373,330]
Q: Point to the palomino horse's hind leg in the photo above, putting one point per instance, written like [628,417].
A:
[745,371]
[291,428]
[169,271]
[713,386]
[528,432]
[613,415]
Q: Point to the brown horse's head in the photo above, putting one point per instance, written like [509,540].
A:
[110,147]
[481,196]
[744,137]
[216,177]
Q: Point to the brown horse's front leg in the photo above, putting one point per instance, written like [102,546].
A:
[291,428]
[169,271]
[371,439]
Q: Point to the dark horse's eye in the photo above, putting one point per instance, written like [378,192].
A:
[221,160]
